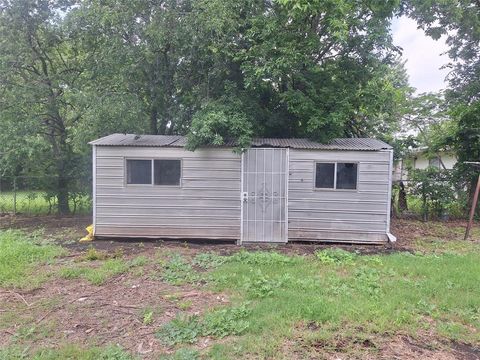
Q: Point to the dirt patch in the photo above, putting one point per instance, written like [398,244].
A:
[385,346]
[403,347]
[74,311]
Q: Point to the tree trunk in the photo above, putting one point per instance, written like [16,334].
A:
[402,198]
[62,195]
[153,120]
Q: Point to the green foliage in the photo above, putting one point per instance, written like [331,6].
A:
[216,124]
[209,260]
[393,293]
[434,187]
[96,275]
[335,256]
[261,258]
[225,322]
[218,323]
[181,330]
[93,254]
[182,354]
[112,352]
[19,253]
[213,70]
[261,286]
[178,271]
[147,318]
[459,22]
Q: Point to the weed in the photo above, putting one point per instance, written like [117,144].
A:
[112,352]
[261,286]
[95,275]
[224,322]
[185,305]
[182,354]
[181,330]
[209,260]
[219,323]
[335,256]
[93,254]
[178,271]
[147,317]
[261,258]
[138,261]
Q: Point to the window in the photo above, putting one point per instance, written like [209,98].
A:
[139,171]
[341,176]
[166,172]
[346,176]
[325,176]
[434,162]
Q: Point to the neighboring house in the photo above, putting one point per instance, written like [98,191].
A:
[278,190]
[420,158]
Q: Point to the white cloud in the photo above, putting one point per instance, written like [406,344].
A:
[423,54]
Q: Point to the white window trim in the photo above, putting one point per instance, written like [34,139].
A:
[334,175]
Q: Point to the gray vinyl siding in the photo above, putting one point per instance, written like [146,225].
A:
[206,205]
[339,215]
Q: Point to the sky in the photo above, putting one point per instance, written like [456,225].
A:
[423,54]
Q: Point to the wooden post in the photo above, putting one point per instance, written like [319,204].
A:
[472,210]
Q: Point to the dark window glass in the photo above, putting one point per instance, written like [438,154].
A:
[434,162]
[139,171]
[166,172]
[346,176]
[324,175]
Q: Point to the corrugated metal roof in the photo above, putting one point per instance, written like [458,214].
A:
[363,144]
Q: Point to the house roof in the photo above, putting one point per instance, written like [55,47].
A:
[362,144]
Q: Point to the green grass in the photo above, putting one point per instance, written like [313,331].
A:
[19,255]
[35,202]
[70,351]
[99,274]
[352,296]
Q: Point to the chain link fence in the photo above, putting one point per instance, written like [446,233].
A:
[37,195]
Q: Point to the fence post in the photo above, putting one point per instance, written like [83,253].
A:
[15,195]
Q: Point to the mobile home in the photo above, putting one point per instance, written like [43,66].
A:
[275,191]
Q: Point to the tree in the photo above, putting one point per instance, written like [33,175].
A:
[325,70]
[40,73]
[459,22]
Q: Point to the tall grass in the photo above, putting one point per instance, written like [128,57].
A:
[36,202]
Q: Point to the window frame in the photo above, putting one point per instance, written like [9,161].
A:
[152,179]
[315,162]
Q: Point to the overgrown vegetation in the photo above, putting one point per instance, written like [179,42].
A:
[218,324]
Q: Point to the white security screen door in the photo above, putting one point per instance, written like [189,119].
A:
[264,195]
